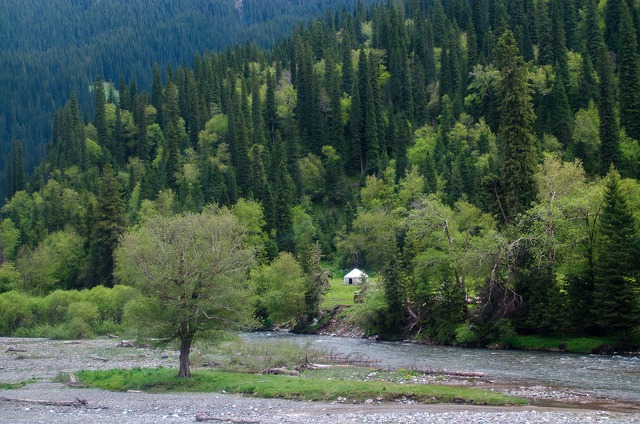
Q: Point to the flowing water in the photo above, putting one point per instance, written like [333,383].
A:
[614,376]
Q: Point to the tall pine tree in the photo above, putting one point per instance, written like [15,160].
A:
[516,141]
[616,303]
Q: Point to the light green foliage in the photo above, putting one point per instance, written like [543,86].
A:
[216,128]
[377,192]
[191,270]
[65,314]
[452,253]
[411,188]
[484,79]
[82,317]
[10,278]
[561,190]
[94,151]
[303,228]
[312,174]
[586,138]
[281,288]
[15,312]
[162,206]
[57,262]
[425,143]
[9,239]
[372,240]
[630,156]
[286,97]
[575,68]
[251,215]
[21,210]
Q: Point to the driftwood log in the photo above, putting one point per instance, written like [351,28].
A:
[201,416]
[280,371]
[15,349]
[75,403]
[464,374]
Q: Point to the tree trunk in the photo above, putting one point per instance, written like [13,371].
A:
[185,349]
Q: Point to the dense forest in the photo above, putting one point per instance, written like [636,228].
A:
[479,157]
[50,48]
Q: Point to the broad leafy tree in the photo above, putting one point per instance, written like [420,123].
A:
[192,271]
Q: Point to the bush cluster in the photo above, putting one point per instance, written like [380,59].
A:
[65,314]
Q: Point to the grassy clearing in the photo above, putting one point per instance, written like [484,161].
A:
[307,386]
[339,294]
[574,345]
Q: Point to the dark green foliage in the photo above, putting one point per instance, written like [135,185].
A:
[629,74]
[304,128]
[616,306]
[108,226]
[393,285]
[609,130]
[517,144]
[15,179]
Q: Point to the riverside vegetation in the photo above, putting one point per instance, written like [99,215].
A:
[479,158]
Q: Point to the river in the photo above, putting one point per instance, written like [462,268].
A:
[611,376]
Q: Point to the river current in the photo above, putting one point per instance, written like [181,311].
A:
[613,376]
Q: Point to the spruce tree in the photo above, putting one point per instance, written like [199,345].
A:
[516,141]
[629,74]
[99,115]
[612,17]
[15,179]
[108,226]
[615,301]
[609,130]
[157,95]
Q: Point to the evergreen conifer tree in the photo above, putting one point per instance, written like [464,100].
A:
[616,303]
[516,141]
[108,226]
[629,74]
[609,130]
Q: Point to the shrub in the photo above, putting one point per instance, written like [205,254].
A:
[56,305]
[15,312]
[466,335]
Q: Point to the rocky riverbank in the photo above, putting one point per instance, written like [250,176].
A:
[42,360]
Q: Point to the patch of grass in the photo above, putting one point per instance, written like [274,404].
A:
[573,345]
[12,386]
[304,387]
[18,385]
[238,355]
[339,294]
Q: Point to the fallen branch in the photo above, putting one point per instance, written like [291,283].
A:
[15,349]
[311,366]
[75,403]
[280,371]
[72,342]
[466,374]
[201,416]
[112,336]
[126,343]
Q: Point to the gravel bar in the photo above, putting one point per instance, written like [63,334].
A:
[42,360]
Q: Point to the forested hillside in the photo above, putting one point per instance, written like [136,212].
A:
[480,157]
[50,48]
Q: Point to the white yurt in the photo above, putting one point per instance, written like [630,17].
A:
[354,277]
